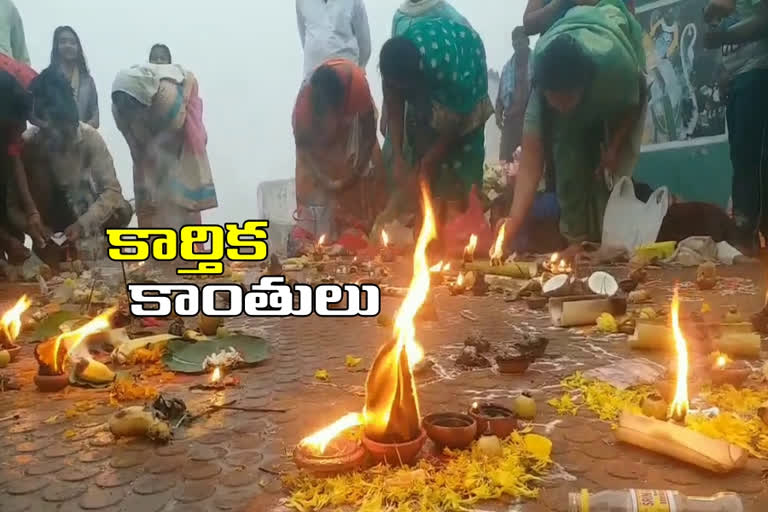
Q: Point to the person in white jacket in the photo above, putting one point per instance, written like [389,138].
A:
[332,29]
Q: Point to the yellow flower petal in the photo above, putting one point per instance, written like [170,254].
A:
[538,446]
[353,362]
[322,375]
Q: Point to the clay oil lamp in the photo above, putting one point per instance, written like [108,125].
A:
[217,381]
[67,352]
[469,250]
[318,251]
[437,273]
[725,371]
[512,361]
[386,253]
[493,419]
[496,253]
[536,302]
[10,327]
[557,265]
[50,377]
[459,286]
[450,430]
[329,452]
[392,432]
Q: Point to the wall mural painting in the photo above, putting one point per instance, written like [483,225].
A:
[683,78]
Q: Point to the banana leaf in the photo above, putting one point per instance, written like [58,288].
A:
[49,326]
[184,357]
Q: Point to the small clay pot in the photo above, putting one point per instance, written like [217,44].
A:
[628,285]
[13,351]
[513,365]
[734,374]
[348,456]
[449,429]
[494,419]
[395,454]
[536,303]
[51,383]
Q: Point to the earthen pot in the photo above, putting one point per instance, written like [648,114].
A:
[395,454]
[13,351]
[494,419]
[734,374]
[513,365]
[51,383]
[450,429]
[536,303]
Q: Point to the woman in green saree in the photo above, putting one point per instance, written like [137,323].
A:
[435,82]
[413,10]
[586,113]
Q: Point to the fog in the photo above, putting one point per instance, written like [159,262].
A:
[248,60]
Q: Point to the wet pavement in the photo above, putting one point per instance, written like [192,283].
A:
[55,454]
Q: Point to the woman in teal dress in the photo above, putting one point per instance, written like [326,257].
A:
[414,10]
[435,82]
[586,114]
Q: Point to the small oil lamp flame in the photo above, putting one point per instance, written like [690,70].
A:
[320,440]
[679,406]
[557,265]
[446,267]
[469,250]
[216,375]
[10,322]
[437,267]
[497,251]
[384,238]
[460,279]
[321,240]
[475,405]
[721,361]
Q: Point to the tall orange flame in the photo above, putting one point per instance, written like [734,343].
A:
[10,322]
[497,251]
[469,250]
[392,408]
[49,352]
[319,441]
[679,406]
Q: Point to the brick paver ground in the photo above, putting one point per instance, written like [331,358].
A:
[231,460]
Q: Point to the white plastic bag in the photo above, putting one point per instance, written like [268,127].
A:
[629,222]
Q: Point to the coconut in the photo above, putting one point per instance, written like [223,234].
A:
[557,286]
[603,283]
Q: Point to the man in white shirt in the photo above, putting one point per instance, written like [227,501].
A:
[12,41]
[333,29]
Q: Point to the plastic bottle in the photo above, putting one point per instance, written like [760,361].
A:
[652,500]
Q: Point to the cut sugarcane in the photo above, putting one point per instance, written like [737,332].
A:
[735,344]
[680,443]
[652,336]
[583,310]
[516,269]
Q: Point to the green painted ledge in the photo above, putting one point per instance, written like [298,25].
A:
[695,172]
